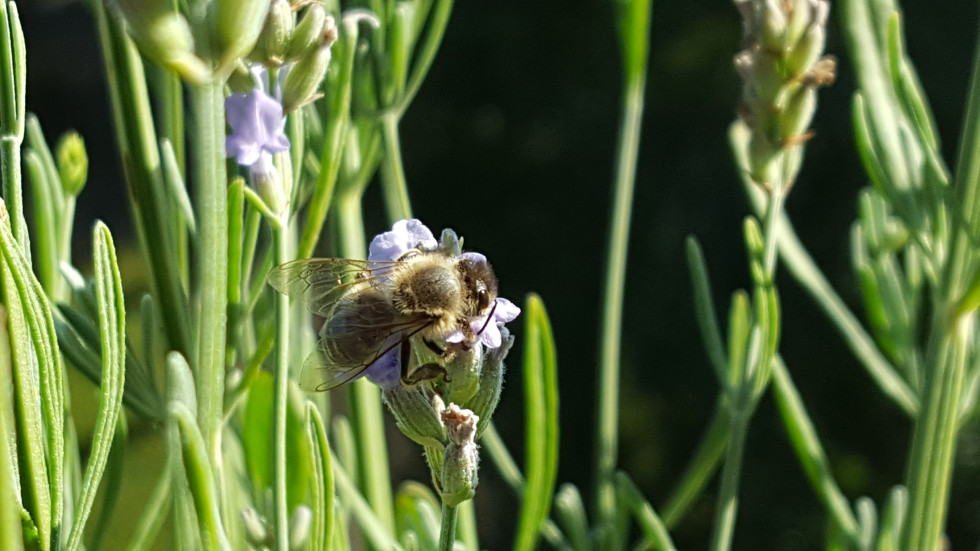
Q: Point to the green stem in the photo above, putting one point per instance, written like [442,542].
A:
[280,390]
[212,259]
[366,411]
[699,470]
[447,532]
[933,449]
[727,509]
[427,53]
[607,425]
[395,187]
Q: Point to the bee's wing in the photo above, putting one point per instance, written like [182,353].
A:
[324,369]
[321,282]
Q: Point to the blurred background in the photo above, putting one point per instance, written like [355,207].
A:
[511,143]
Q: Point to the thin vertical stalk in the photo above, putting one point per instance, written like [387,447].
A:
[607,425]
[366,411]
[721,538]
[395,188]
[212,259]
[280,391]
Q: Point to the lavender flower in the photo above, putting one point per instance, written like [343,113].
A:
[257,125]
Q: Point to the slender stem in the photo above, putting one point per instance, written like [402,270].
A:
[280,391]
[607,424]
[427,53]
[395,187]
[212,261]
[721,539]
[447,532]
[700,469]
[366,411]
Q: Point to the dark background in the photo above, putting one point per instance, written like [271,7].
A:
[511,142]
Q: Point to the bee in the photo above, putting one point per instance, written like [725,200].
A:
[373,307]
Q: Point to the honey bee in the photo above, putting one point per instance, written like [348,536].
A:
[373,307]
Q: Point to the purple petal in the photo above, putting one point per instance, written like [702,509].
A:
[403,236]
[505,310]
[491,336]
[386,370]
[257,126]
[475,258]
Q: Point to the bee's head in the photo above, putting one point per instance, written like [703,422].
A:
[480,282]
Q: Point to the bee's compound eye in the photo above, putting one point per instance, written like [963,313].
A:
[482,299]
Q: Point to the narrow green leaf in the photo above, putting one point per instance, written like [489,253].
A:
[26,353]
[417,510]
[541,423]
[199,478]
[704,307]
[570,510]
[809,452]
[113,484]
[375,532]
[323,485]
[112,328]
[634,32]
[11,536]
[739,333]
[174,180]
[651,525]
[893,519]
[45,223]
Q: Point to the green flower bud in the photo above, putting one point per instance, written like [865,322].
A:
[299,527]
[274,39]
[72,163]
[807,50]
[762,159]
[307,33]
[164,36]
[304,78]
[256,531]
[238,25]
[417,413]
[463,372]
[773,25]
[798,113]
[268,183]
[461,460]
[484,402]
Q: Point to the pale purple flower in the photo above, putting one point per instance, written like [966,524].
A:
[257,125]
[404,236]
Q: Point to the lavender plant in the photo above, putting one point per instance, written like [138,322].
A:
[251,154]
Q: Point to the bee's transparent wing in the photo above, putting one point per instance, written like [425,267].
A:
[328,367]
[321,282]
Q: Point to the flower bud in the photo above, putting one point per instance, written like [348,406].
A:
[417,413]
[307,33]
[72,163]
[484,402]
[164,36]
[274,39]
[267,182]
[238,25]
[304,78]
[773,25]
[463,372]
[299,527]
[798,113]
[806,51]
[256,532]
[461,460]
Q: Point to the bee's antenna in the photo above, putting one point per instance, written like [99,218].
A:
[489,317]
